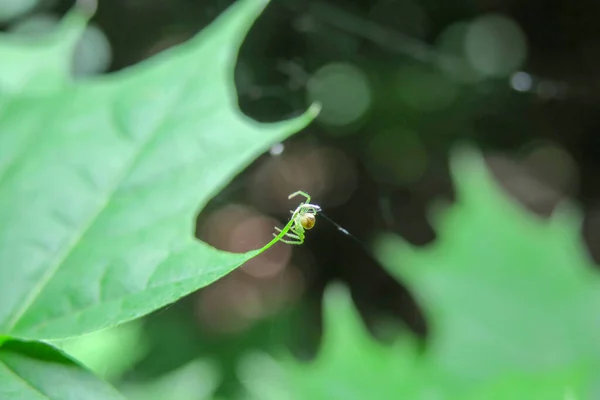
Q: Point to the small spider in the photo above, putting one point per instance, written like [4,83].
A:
[303,218]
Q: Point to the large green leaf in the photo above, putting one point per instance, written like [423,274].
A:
[34,370]
[101,180]
[511,300]
[504,291]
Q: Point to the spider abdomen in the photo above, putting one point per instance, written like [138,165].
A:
[308,221]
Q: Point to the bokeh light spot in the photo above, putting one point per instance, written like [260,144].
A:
[93,53]
[554,166]
[218,306]
[239,229]
[523,185]
[344,92]
[276,149]
[328,174]
[253,233]
[277,177]
[521,81]
[495,45]
[453,62]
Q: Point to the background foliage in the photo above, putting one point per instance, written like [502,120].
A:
[502,297]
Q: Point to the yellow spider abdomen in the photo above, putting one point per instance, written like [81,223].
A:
[308,221]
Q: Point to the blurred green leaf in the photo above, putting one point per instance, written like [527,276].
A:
[504,291]
[25,73]
[100,181]
[351,365]
[109,352]
[34,370]
[546,386]
[197,380]
[511,301]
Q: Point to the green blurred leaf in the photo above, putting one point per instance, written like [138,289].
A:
[100,183]
[351,365]
[34,370]
[197,380]
[505,292]
[511,301]
[109,353]
[547,386]
[25,73]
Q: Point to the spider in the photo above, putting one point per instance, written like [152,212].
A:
[303,218]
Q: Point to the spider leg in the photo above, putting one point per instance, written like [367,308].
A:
[294,239]
[293,235]
[308,208]
[297,227]
[292,242]
[312,210]
[286,234]
[298,233]
[300,193]
[290,238]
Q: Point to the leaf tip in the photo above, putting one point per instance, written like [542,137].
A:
[465,159]
[401,259]
[87,7]
[314,110]
[472,177]
[335,294]
[240,17]
[567,219]
[339,313]
[437,211]
[336,299]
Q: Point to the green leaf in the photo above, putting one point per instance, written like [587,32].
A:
[35,370]
[101,181]
[109,353]
[350,365]
[25,73]
[504,291]
[548,386]
[197,380]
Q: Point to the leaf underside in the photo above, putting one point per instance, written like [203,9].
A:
[35,370]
